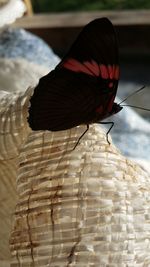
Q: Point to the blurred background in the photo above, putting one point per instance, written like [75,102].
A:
[78,5]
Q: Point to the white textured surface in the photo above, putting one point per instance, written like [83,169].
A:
[87,207]
[15,78]
[11,11]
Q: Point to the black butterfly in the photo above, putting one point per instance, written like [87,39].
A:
[82,87]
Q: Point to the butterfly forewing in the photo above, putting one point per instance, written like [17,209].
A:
[82,87]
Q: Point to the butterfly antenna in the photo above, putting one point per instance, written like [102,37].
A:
[132,94]
[81,137]
[136,107]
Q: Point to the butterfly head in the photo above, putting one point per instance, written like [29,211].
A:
[100,115]
[115,109]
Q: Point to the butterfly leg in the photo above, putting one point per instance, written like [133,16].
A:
[112,124]
[81,137]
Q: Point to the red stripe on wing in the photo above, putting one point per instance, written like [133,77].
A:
[92,68]
[104,71]
[87,67]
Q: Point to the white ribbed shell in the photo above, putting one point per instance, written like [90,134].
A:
[83,208]
[13,132]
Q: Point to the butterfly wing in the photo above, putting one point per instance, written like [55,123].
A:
[82,86]
[96,42]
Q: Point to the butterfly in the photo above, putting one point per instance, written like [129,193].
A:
[82,87]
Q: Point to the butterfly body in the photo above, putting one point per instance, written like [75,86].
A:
[82,88]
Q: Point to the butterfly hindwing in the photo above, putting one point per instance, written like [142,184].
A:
[84,82]
[64,103]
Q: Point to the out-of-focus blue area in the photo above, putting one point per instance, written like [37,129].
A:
[19,43]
